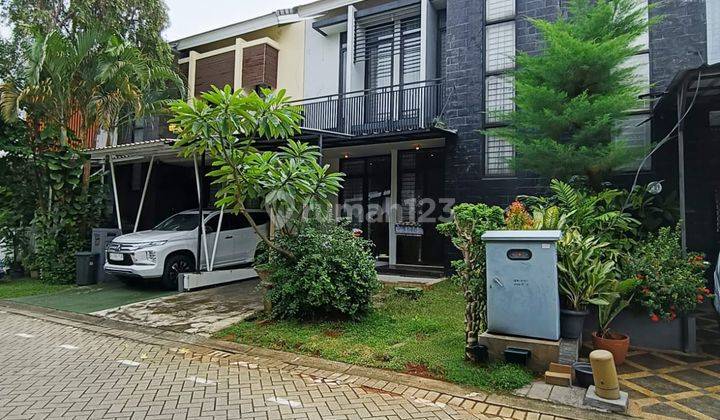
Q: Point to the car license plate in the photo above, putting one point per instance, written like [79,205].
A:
[116,257]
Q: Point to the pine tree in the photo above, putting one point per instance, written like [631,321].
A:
[570,98]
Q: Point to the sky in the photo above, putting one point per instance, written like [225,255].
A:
[189,17]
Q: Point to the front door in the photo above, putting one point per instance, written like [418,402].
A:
[365,199]
[420,189]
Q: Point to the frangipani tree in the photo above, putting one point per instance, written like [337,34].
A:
[230,126]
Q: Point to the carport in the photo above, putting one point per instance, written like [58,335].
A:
[161,151]
[152,153]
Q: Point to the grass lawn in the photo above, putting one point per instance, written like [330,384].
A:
[425,337]
[15,288]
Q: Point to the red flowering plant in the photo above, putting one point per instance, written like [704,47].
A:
[669,283]
[517,217]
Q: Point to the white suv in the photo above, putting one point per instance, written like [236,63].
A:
[170,247]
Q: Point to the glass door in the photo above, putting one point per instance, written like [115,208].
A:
[421,185]
[365,199]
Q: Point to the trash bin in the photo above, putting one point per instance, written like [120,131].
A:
[85,268]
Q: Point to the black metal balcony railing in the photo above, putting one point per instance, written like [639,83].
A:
[406,107]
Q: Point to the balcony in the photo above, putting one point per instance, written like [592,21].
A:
[372,112]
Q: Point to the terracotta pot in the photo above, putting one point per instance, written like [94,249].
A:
[617,344]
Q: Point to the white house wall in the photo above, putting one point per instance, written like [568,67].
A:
[322,63]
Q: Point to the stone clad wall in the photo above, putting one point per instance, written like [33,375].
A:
[675,40]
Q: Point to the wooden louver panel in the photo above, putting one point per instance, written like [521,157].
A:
[218,70]
[260,66]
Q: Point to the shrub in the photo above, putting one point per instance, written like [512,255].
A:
[331,274]
[670,283]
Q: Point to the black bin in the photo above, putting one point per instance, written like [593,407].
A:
[85,268]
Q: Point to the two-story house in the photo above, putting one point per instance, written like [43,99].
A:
[397,91]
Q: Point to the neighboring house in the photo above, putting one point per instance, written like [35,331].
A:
[396,91]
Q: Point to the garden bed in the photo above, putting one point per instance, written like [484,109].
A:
[424,337]
[678,334]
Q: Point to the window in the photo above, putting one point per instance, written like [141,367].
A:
[499,92]
[212,223]
[643,41]
[500,46]
[498,153]
[233,222]
[635,131]
[499,9]
[410,51]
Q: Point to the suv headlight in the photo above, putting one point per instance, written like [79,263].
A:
[144,245]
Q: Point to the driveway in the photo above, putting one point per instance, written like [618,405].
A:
[200,312]
[52,370]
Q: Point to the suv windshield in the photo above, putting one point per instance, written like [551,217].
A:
[179,222]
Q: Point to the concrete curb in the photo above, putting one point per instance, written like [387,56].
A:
[432,390]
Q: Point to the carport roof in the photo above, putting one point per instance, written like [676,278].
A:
[134,151]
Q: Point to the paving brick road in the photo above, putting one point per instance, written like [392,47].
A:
[49,370]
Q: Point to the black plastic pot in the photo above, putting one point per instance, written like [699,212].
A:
[571,323]
[583,374]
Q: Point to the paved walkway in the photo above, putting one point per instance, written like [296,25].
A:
[200,312]
[54,367]
[674,384]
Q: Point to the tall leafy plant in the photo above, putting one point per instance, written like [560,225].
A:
[469,223]
[570,97]
[89,74]
[584,276]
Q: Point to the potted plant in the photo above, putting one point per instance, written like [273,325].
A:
[585,278]
[605,339]
[670,286]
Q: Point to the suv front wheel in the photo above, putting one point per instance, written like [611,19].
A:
[174,266]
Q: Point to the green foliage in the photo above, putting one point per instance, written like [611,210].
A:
[585,277]
[623,293]
[470,222]
[570,98]
[139,21]
[333,274]
[73,210]
[597,214]
[95,73]
[670,283]
[423,336]
[17,195]
[229,126]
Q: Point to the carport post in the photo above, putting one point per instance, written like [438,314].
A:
[115,194]
[681,164]
[142,197]
[202,237]
[217,236]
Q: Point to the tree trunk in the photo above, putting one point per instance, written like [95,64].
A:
[475,323]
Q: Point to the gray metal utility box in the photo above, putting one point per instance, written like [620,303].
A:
[522,285]
[100,238]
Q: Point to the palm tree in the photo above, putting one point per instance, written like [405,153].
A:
[95,73]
